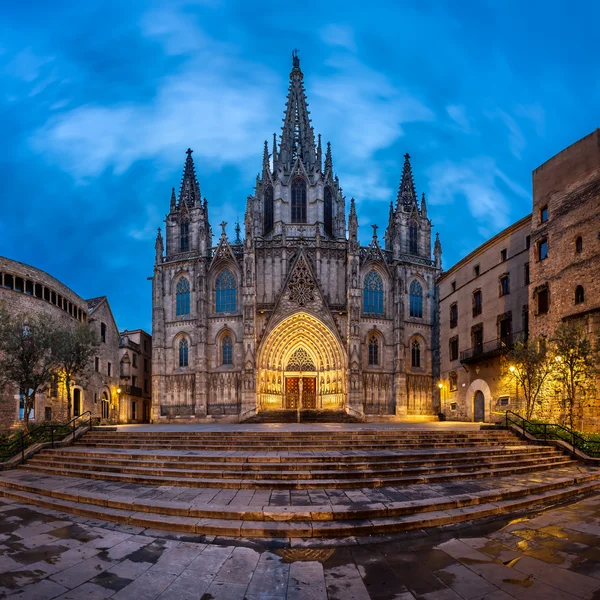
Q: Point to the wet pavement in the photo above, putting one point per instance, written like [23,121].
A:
[554,554]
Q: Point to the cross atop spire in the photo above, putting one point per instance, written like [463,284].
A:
[406,192]
[189,193]
[295,59]
[375,228]
[223,225]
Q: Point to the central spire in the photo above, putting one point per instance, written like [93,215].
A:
[297,137]
[406,192]
[189,194]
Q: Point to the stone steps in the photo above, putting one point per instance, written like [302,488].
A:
[300,521]
[306,416]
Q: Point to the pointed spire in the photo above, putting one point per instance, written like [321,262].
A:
[437,251]
[173,200]
[328,159]
[423,206]
[297,137]
[238,239]
[406,192]
[274,150]
[319,154]
[391,215]
[266,166]
[159,246]
[353,221]
[189,193]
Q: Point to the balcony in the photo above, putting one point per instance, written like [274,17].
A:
[491,349]
[131,390]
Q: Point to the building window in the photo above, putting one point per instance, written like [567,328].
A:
[525,321]
[477,303]
[453,286]
[146,386]
[503,255]
[226,351]
[453,348]
[413,238]
[453,379]
[18,284]
[373,293]
[184,236]
[133,380]
[97,364]
[183,353]
[543,249]
[503,400]
[226,292]
[328,211]
[452,405]
[544,214]
[109,369]
[105,406]
[526,271]
[48,413]
[102,332]
[505,330]
[134,362]
[416,300]
[298,200]
[8,281]
[145,365]
[527,242]
[374,351]
[477,339]
[453,315]
[579,245]
[416,354]
[542,301]
[182,297]
[476,271]
[504,285]
[579,296]
[268,210]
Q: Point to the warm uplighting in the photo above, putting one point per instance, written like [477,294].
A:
[440,385]
[118,390]
[558,359]
[511,368]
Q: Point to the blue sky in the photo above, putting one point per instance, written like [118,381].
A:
[100,100]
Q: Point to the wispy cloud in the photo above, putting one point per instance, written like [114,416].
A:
[458,114]
[339,35]
[516,138]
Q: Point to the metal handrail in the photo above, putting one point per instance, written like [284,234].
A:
[554,431]
[10,449]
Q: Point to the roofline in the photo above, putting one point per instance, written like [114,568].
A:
[585,137]
[480,249]
[134,331]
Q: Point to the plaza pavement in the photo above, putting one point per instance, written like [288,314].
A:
[553,555]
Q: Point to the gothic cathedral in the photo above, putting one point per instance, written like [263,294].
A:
[297,315]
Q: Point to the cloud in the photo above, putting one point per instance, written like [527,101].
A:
[479,183]
[516,139]
[338,35]
[458,114]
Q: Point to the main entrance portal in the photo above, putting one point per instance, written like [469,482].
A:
[301,365]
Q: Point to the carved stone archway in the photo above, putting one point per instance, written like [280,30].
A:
[302,348]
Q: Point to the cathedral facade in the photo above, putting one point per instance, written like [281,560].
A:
[297,315]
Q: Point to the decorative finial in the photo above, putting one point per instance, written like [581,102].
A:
[295,59]
[375,228]
[189,152]
[407,156]
[238,239]
[223,225]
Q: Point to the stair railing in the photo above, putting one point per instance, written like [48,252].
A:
[45,432]
[554,431]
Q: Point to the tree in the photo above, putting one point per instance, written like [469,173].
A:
[26,358]
[576,363]
[531,367]
[73,349]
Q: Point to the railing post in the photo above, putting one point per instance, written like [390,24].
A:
[73,430]
[52,434]
[22,448]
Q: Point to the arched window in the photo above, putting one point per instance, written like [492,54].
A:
[268,210]
[416,354]
[105,406]
[182,295]
[226,350]
[579,244]
[183,353]
[579,295]
[226,297]
[374,350]
[328,211]
[416,300]
[184,237]
[373,293]
[298,200]
[413,238]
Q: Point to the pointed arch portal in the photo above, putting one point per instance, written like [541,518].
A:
[301,365]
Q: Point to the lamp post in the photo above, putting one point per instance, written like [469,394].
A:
[442,406]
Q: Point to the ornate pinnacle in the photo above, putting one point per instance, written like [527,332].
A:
[319,153]
[190,190]
[375,228]
[328,159]
[423,206]
[406,192]
[223,225]
[274,150]
[266,158]
[238,239]
[295,59]
[173,200]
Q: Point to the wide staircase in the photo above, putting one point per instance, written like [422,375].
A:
[322,483]
[303,416]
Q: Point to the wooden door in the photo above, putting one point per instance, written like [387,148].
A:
[309,392]
[292,392]
[478,407]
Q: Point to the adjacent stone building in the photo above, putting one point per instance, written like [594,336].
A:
[135,357]
[483,312]
[298,313]
[24,288]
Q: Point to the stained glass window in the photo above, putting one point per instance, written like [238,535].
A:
[184,238]
[328,212]
[226,351]
[416,300]
[413,238]
[268,209]
[374,350]
[298,200]
[183,353]
[182,296]
[226,296]
[416,354]
[373,293]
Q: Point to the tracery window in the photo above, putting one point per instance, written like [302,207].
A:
[184,237]
[374,350]
[298,200]
[373,293]
[182,297]
[183,353]
[416,300]
[226,350]
[301,361]
[268,209]
[226,292]
[328,211]
[416,354]
[413,238]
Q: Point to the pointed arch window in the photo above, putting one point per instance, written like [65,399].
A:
[328,211]
[226,350]
[579,294]
[373,293]
[416,300]
[182,296]
[184,236]
[226,292]
[298,200]
[416,354]
[413,238]
[268,209]
[183,353]
[373,350]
